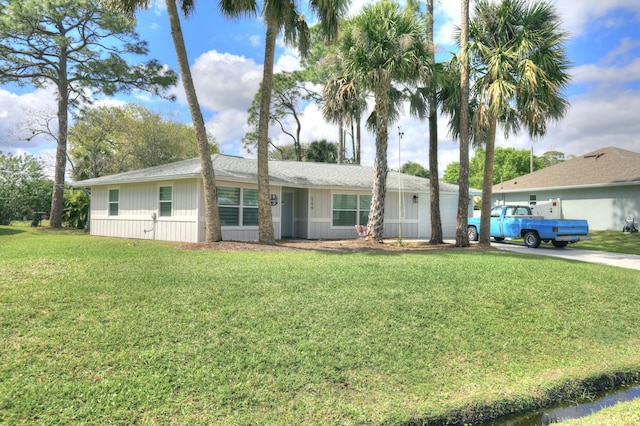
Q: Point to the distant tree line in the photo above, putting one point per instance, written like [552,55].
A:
[509,163]
[25,191]
[109,140]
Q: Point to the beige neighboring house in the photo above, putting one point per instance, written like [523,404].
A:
[309,201]
[602,187]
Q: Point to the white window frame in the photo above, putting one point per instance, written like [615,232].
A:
[110,203]
[358,209]
[161,201]
[240,207]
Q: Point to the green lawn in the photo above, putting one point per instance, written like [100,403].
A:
[98,330]
[613,241]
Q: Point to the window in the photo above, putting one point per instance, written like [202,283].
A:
[350,209]
[249,207]
[114,201]
[166,201]
[532,200]
[238,206]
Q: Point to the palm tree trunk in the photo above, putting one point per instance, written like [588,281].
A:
[265,218]
[353,140]
[487,184]
[340,141]
[434,182]
[212,216]
[375,226]
[57,198]
[462,237]
[358,139]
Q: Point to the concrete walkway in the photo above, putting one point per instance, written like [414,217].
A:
[614,259]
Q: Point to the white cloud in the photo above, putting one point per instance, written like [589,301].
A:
[623,53]
[607,75]
[14,116]
[159,7]
[255,40]
[577,16]
[286,62]
[314,127]
[225,81]
[580,16]
[228,127]
[596,121]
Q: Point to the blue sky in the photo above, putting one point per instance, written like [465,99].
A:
[226,59]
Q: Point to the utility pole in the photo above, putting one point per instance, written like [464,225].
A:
[531,159]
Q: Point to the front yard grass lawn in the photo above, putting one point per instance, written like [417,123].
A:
[99,330]
[612,241]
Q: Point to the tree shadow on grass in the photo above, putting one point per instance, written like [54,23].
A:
[9,231]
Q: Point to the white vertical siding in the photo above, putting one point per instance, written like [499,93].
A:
[408,216]
[137,204]
[424,224]
[201,212]
[449,214]
[312,213]
[320,215]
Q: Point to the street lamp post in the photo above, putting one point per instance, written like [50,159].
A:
[400,134]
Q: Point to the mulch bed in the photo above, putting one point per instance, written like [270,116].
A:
[349,246]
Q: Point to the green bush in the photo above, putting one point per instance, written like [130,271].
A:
[76,209]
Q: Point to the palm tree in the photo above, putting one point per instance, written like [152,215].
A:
[383,44]
[434,182]
[423,103]
[343,102]
[517,49]
[279,15]
[212,216]
[322,152]
[462,238]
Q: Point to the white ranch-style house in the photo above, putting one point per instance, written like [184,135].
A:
[309,201]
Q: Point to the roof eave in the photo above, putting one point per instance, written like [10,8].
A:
[88,183]
[554,188]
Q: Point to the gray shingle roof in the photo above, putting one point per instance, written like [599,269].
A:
[287,173]
[606,166]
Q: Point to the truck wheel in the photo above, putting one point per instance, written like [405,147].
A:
[472,232]
[532,239]
[559,244]
[499,239]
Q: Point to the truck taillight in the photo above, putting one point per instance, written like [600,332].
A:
[554,229]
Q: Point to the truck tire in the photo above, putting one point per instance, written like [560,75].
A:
[472,232]
[531,239]
[559,244]
[499,239]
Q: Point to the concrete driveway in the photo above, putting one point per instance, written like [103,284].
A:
[614,259]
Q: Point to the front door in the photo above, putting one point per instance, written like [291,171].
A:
[287,215]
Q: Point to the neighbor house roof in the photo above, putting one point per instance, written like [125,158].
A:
[604,167]
[286,173]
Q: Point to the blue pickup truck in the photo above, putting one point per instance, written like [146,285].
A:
[518,222]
